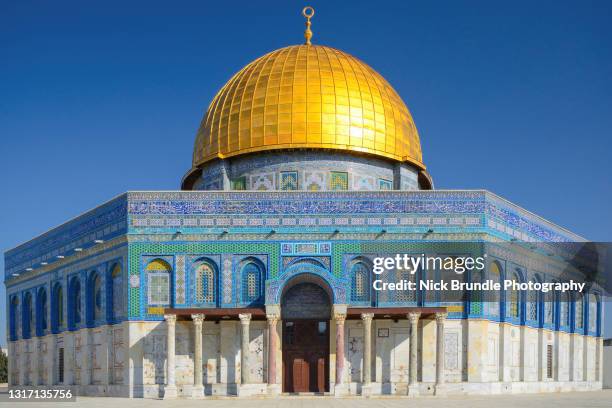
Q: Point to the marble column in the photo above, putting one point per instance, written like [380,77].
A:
[51,355]
[170,388]
[87,364]
[198,383]
[35,360]
[413,389]
[109,360]
[440,319]
[69,366]
[367,353]
[245,321]
[272,346]
[339,318]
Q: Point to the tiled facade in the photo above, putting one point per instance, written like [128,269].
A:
[143,252]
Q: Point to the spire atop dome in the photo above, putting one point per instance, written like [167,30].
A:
[308,12]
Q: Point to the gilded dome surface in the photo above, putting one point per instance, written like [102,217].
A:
[307,96]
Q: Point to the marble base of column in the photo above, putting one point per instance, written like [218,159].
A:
[341,390]
[197,392]
[170,392]
[366,390]
[413,390]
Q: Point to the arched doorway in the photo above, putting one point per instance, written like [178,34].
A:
[306,314]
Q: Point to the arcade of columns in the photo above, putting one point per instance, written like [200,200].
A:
[272,380]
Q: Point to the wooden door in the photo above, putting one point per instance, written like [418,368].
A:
[301,375]
[305,356]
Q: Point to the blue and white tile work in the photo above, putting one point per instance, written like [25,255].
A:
[313,171]
[104,280]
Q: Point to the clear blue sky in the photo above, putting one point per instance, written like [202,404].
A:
[97,99]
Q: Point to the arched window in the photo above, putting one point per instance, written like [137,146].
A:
[95,300]
[57,308]
[564,316]
[533,299]
[42,311]
[251,283]
[493,304]
[28,316]
[579,312]
[158,282]
[117,291]
[14,325]
[513,299]
[206,289]
[593,323]
[74,302]
[360,290]
[549,307]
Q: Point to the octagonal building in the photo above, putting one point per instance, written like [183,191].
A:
[256,278]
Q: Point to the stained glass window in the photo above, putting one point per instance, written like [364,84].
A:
[361,284]
[289,180]
[513,300]
[385,184]
[205,283]
[338,180]
[405,295]
[532,304]
[592,313]
[579,310]
[492,305]
[251,282]
[564,311]
[158,280]
[549,307]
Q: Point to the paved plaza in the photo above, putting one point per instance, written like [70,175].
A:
[592,399]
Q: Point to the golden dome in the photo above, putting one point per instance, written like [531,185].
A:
[307,96]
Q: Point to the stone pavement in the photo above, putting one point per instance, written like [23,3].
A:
[571,399]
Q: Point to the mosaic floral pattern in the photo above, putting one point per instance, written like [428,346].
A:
[338,181]
[289,180]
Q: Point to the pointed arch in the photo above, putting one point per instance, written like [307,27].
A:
[95,301]
[27,316]
[252,273]
[57,307]
[116,292]
[206,282]
[158,275]
[14,318]
[360,275]
[493,306]
[42,311]
[75,315]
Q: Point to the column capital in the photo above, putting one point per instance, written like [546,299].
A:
[198,318]
[340,318]
[170,318]
[367,317]
[245,318]
[441,317]
[414,317]
[272,318]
